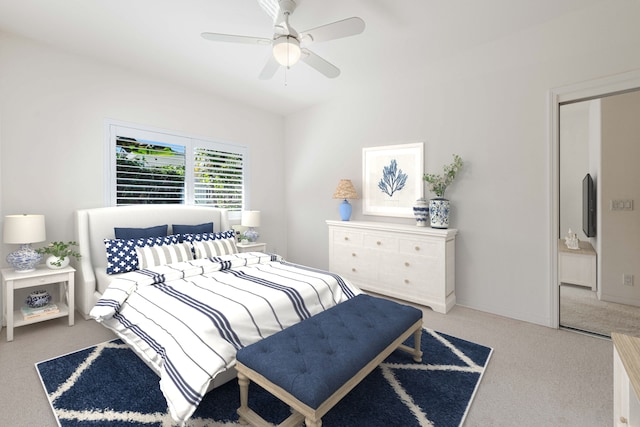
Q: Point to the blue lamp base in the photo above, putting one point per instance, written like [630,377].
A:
[345,210]
[25,259]
[251,234]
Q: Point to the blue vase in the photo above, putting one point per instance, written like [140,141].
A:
[439,212]
[421,212]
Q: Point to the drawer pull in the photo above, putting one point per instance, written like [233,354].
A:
[406,264]
[417,248]
[353,254]
[378,243]
[406,281]
[623,420]
[346,238]
[353,269]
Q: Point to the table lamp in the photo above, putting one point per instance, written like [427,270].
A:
[24,230]
[250,219]
[345,191]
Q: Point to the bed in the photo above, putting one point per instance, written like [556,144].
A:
[193,301]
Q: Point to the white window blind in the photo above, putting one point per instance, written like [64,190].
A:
[150,166]
[218,178]
[149,172]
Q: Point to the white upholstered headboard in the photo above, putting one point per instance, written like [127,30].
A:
[95,225]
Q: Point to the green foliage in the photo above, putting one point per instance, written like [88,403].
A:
[60,250]
[439,183]
[138,182]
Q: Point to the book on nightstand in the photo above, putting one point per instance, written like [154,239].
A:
[32,313]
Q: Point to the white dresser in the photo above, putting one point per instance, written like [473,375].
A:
[626,380]
[407,262]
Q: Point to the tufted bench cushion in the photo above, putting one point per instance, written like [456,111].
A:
[315,358]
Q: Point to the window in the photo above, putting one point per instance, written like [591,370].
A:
[151,166]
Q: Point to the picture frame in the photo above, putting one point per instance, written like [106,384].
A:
[392,179]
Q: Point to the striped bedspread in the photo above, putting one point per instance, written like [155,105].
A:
[187,320]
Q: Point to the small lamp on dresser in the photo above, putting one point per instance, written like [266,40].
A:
[24,230]
[345,191]
[250,219]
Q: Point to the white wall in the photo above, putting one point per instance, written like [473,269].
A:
[53,107]
[490,105]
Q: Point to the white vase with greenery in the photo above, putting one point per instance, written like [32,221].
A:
[59,254]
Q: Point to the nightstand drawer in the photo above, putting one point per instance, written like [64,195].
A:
[40,280]
[251,247]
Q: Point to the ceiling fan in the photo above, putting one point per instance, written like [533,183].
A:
[289,46]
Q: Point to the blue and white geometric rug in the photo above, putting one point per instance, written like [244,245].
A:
[108,386]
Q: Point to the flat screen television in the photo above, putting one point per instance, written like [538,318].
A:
[588,206]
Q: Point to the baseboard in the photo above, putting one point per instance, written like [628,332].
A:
[620,300]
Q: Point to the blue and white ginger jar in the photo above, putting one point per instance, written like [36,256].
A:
[439,212]
[421,212]
[37,299]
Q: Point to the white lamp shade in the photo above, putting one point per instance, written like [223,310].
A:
[22,229]
[250,218]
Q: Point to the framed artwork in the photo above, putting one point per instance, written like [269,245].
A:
[392,179]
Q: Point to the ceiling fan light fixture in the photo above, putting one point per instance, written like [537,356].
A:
[286,50]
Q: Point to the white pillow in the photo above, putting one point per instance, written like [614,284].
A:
[213,248]
[151,256]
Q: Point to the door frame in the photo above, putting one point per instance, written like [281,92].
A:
[596,88]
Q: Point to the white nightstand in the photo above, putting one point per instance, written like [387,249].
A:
[41,276]
[578,266]
[252,247]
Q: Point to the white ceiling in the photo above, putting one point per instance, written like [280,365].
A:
[162,38]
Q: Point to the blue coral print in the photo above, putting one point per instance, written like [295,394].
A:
[393,179]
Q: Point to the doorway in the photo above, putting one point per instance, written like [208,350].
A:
[582,143]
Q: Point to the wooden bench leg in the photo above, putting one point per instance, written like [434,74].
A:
[243,383]
[310,423]
[417,337]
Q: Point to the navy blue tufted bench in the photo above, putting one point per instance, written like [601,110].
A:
[312,365]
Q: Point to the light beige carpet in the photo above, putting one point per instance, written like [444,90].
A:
[581,309]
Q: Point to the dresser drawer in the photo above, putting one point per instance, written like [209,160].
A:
[408,270]
[353,262]
[348,238]
[420,247]
[379,242]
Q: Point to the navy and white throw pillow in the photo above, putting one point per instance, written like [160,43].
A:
[121,253]
[201,237]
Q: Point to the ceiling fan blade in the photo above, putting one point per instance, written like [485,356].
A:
[319,64]
[269,69]
[345,28]
[230,38]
